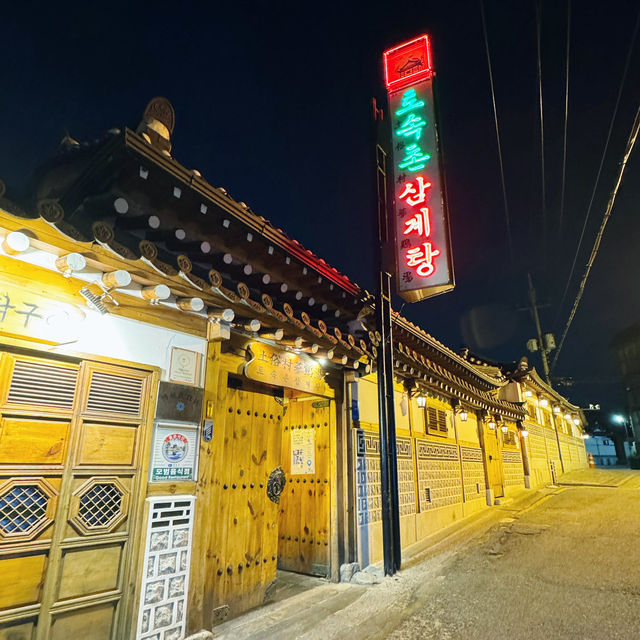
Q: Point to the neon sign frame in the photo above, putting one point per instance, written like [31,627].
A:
[424,266]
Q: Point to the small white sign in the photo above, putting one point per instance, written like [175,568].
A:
[174,453]
[185,366]
[303,451]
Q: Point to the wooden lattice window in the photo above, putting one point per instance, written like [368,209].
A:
[24,508]
[99,505]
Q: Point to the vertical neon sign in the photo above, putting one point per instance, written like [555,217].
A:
[422,244]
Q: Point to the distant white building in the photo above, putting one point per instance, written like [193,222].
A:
[604,450]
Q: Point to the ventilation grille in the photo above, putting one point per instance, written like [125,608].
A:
[114,394]
[38,383]
[436,420]
[22,509]
[100,505]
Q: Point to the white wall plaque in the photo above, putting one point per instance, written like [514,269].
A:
[185,366]
[174,453]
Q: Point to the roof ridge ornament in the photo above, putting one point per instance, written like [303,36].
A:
[157,124]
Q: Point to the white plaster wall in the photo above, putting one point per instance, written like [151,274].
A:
[125,339]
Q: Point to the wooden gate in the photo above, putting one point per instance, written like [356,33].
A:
[493,460]
[71,442]
[246,520]
[304,531]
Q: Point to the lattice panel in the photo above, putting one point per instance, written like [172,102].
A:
[535,430]
[369,500]
[513,468]
[513,474]
[114,394]
[537,448]
[552,446]
[42,384]
[100,505]
[406,478]
[165,583]
[511,457]
[439,482]
[22,509]
[473,473]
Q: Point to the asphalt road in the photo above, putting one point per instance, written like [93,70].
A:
[567,568]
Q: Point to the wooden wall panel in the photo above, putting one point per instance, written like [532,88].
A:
[21,582]
[88,571]
[93,623]
[102,444]
[31,441]
[19,631]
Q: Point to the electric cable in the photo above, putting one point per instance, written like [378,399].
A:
[597,180]
[495,119]
[544,192]
[566,120]
[596,245]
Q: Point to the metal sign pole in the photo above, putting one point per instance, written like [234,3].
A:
[388,459]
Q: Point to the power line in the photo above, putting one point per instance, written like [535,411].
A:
[495,119]
[544,194]
[566,120]
[607,214]
[602,158]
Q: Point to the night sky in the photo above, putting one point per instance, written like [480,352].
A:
[272,102]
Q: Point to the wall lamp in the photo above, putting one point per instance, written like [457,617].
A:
[504,428]
[422,401]
[556,409]
[492,424]
[528,393]
[544,402]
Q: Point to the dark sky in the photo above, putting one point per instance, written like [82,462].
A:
[272,102]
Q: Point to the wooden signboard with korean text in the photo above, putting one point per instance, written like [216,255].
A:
[27,314]
[285,369]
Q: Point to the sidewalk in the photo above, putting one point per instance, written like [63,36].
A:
[298,616]
[599,477]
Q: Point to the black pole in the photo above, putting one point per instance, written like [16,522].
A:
[386,410]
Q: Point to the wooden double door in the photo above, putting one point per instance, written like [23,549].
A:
[254,534]
[72,436]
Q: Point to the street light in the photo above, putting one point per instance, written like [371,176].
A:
[618,418]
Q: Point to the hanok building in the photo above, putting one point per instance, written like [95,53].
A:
[188,403]
[553,432]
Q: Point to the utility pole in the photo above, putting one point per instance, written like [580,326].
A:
[546,344]
[542,346]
